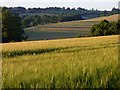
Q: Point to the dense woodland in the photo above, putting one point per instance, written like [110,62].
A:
[40,16]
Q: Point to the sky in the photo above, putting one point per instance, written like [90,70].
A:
[88,4]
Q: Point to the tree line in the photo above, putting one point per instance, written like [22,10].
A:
[105,28]
[29,21]
[12,29]
[13,25]
[59,10]
[40,16]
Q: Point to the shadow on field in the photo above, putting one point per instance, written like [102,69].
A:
[56,50]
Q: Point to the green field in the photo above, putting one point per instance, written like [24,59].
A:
[59,30]
[63,63]
[65,29]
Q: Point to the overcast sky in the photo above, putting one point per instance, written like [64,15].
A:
[88,4]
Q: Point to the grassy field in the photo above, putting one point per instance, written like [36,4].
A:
[65,29]
[109,18]
[59,30]
[63,63]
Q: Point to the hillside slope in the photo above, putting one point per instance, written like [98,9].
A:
[109,18]
[79,23]
[88,41]
[66,63]
[65,29]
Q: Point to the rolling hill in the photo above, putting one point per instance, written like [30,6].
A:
[65,63]
[90,62]
[83,22]
[65,29]
[109,18]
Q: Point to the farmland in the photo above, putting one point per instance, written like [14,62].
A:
[63,63]
[109,18]
[65,29]
[59,30]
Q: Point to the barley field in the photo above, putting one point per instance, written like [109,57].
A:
[63,63]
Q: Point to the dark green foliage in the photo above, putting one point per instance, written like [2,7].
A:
[12,29]
[113,29]
[34,20]
[104,28]
[26,21]
[41,16]
[29,21]
[63,10]
[118,26]
[71,18]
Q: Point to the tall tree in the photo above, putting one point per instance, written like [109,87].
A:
[105,28]
[12,29]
